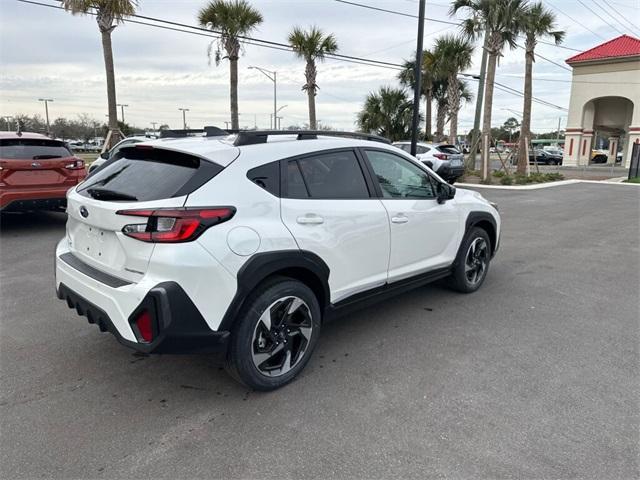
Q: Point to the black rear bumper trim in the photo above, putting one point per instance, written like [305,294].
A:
[56,204]
[86,269]
[180,326]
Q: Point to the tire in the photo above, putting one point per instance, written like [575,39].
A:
[462,279]
[258,353]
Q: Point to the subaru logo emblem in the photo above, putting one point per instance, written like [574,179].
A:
[84,212]
[36,164]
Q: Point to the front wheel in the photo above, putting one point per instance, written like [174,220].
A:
[472,262]
[275,334]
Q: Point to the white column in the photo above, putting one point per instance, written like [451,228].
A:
[584,155]
[613,150]
[572,139]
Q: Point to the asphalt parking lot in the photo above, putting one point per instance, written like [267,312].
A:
[534,376]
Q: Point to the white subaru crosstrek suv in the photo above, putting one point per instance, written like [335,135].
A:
[245,244]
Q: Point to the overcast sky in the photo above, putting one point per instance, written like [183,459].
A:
[48,52]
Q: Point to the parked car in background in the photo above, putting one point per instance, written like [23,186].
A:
[36,172]
[619,157]
[599,156]
[243,246]
[127,142]
[544,158]
[446,160]
[554,150]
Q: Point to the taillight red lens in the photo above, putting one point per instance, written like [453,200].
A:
[76,165]
[144,322]
[441,156]
[169,225]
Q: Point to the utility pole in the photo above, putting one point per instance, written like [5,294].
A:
[153,124]
[184,117]
[475,136]
[418,77]
[273,76]
[558,134]
[122,105]
[46,112]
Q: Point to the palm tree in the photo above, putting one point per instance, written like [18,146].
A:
[440,95]
[452,56]
[537,23]
[232,20]
[388,113]
[407,79]
[109,13]
[312,45]
[501,21]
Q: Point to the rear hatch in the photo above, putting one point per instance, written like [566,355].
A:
[455,158]
[37,164]
[139,178]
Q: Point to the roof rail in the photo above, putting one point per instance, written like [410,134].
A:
[208,131]
[253,137]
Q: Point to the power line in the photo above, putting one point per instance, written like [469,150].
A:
[276,46]
[546,59]
[575,21]
[394,12]
[624,20]
[249,40]
[596,14]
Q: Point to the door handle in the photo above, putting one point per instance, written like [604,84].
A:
[310,220]
[399,219]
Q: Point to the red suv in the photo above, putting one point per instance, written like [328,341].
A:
[36,172]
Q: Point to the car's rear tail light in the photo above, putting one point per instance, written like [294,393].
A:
[441,156]
[75,165]
[144,324]
[174,225]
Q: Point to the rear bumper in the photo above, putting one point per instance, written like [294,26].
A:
[450,173]
[179,326]
[20,199]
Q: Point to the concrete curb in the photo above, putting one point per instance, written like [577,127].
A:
[539,186]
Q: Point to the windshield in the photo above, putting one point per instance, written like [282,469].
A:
[32,149]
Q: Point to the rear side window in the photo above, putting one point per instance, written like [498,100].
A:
[335,175]
[420,149]
[450,149]
[267,176]
[148,174]
[32,149]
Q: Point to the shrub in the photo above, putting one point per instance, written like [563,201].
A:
[498,173]
[521,179]
[554,177]
[486,181]
[506,180]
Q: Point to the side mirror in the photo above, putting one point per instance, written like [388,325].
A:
[445,192]
[429,164]
[105,155]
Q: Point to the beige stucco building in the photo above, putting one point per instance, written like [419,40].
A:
[605,100]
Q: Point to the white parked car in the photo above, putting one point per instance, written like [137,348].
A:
[245,246]
[446,160]
[126,142]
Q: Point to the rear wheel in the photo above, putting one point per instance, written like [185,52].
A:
[472,263]
[275,334]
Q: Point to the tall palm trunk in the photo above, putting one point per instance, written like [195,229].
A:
[488,101]
[310,74]
[525,128]
[233,92]
[453,97]
[441,119]
[428,115]
[114,135]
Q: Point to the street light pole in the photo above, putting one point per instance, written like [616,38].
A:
[46,111]
[273,76]
[184,117]
[122,105]
[418,77]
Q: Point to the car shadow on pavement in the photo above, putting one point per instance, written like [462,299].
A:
[27,222]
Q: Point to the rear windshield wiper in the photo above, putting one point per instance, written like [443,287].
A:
[105,194]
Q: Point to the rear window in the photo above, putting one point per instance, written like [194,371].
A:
[148,174]
[450,149]
[32,149]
